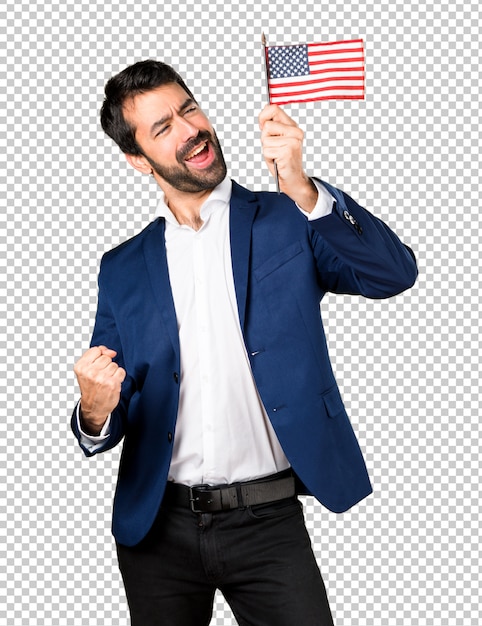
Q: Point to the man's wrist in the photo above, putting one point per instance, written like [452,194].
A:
[90,425]
[305,195]
[89,429]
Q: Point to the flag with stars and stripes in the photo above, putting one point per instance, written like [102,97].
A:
[316,71]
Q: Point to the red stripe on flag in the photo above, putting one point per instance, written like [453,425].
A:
[326,61]
[315,53]
[316,82]
[341,42]
[304,92]
[337,70]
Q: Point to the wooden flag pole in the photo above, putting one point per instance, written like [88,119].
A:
[263,40]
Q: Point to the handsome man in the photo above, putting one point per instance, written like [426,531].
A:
[208,359]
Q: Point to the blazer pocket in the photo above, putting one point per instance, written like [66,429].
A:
[277,260]
[333,402]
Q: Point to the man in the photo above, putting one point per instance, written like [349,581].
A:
[208,359]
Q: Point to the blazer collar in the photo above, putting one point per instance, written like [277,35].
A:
[243,208]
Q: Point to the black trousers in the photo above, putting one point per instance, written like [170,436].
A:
[260,558]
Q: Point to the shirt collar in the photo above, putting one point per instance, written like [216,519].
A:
[219,197]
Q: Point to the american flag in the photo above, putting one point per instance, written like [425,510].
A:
[316,71]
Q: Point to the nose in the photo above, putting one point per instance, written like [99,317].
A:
[186,129]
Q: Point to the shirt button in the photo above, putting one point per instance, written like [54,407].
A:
[169,437]
[176,377]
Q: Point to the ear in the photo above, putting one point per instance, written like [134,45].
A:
[139,163]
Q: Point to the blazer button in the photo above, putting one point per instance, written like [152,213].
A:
[176,377]
[169,437]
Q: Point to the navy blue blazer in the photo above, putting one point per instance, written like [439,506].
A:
[282,265]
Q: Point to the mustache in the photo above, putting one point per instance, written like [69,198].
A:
[203,135]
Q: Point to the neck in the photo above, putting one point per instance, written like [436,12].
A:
[185,206]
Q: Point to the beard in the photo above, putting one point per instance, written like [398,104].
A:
[191,181]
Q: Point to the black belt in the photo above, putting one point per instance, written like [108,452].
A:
[209,499]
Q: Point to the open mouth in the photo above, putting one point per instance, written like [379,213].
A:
[201,156]
[198,153]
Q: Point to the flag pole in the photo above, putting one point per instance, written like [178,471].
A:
[263,40]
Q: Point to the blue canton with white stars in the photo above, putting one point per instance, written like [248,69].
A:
[287,61]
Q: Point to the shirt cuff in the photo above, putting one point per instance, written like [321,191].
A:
[92,442]
[324,204]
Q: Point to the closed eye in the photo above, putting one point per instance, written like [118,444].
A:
[161,131]
[162,125]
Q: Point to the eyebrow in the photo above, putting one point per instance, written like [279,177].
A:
[166,118]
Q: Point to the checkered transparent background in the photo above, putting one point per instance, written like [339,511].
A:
[408,367]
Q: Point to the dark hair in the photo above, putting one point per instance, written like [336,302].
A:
[135,79]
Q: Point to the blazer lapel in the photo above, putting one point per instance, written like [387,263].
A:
[243,209]
[156,262]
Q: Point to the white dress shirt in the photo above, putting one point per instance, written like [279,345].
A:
[223,433]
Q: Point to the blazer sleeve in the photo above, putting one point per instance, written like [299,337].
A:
[357,253]
[105,333]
